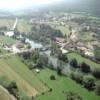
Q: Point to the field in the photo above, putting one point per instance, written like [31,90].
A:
[27,82]
[4,96]
[86,37]
[7,40]
[6,22]
[62,85]
[64,30]
[82,59]
[23,26]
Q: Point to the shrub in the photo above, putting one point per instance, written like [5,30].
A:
[52,77]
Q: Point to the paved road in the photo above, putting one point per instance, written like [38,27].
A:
[11,96]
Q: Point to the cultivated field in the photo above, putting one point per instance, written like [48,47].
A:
[27,82]
[62,85]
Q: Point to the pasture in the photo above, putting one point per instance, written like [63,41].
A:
[61,86]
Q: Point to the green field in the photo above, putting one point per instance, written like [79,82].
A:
[27,82]
[4,96]
[7,40]
[62,85]
[83,59]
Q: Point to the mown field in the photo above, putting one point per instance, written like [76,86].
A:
[61,86]
[4,96]
[83,59]
[27,82]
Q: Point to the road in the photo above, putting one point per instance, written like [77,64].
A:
[11,96]
[13,53]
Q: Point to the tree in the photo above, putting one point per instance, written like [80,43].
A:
[26,55]
[73,63]
[62,56]
[13,88]
[85,67]
[42,61]
[59,67]
[89,82]
[96,73]
[35,56]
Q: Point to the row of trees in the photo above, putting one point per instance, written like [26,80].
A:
[34,59]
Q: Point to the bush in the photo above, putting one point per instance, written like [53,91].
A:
[96,73]
[85,67]
[89,82]
[50,90]
[78,77]
[52,77]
